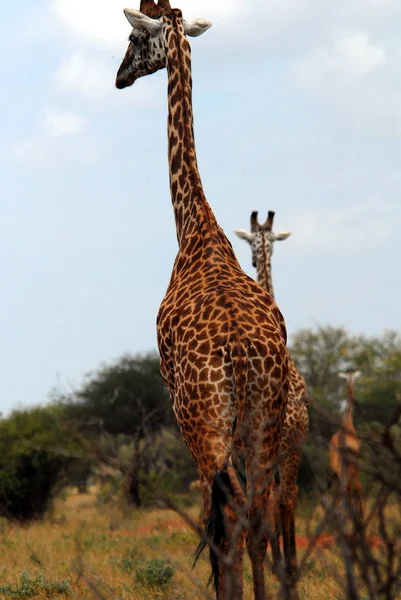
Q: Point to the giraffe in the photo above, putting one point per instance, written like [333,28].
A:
[345,448]
[261,239]
[221,337]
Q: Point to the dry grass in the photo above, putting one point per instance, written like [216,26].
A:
[98,550]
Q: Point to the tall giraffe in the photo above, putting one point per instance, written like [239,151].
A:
[261,239]
[345,449]
[221,337]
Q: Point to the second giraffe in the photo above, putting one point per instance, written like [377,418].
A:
[345,449]
[284,497]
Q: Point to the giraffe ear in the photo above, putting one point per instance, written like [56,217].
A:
[141,22]
[244,235]
[355,375]
[282,235]
[196,27]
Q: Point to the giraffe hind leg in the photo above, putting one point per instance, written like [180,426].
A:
[287,499]
[274,523]
[215,526]
[355,502]
[290,574]
[259,481]
[222,522]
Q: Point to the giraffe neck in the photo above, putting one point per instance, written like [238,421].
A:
[264,270]
[348,422]
[191,209]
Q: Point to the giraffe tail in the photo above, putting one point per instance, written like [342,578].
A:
[215,533]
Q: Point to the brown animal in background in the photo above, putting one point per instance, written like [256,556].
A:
[221,337]
[345,448]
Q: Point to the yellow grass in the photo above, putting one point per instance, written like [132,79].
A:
[97,550]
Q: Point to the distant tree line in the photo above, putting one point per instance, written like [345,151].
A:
[121,419]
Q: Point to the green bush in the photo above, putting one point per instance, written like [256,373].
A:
[127,564]
[34,462]
[155,573]
[33,587]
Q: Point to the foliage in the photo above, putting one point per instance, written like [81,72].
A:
[168,465]
[34,461]
[155,573]
[319,355]
[322,352]
[33,587]
[119,397]
[124,412]
[121,410]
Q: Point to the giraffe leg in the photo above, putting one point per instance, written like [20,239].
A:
[355,493]
[358,502]
[258,489]
[355,502]
[206,496]
[288,492]
[224,528]
[274,521]
[289,576]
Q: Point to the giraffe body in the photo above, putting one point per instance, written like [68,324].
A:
[221,337]
[296,422]
[345,449]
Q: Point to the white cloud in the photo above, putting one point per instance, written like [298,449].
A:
[353,77]
[352,229]
[59,124]
[60,138]
[98,20]
[352,54]
[103,22]
[80,74]
[343,55]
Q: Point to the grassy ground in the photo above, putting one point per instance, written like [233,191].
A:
[84,551]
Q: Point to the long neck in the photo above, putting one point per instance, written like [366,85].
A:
[264,270]
[348,415]
[190,206]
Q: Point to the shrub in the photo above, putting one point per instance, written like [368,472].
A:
[31,587]
[33,462]
[155,573]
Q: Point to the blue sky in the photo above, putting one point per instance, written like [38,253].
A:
[297,109]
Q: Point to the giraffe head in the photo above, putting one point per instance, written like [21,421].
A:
[261,238]
[147,52]
[349,374]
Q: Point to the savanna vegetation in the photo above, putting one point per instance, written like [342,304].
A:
[88,481]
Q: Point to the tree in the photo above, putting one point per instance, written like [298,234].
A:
[320,354]
[123,403]
[119,396]
[34,461]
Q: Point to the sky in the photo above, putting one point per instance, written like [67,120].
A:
[297,108]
